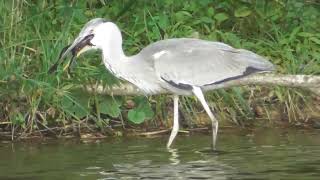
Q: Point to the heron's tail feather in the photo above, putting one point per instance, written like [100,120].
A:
[255,61]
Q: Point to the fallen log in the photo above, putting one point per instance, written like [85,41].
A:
[309,82]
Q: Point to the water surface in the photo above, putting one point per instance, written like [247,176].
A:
[263,154]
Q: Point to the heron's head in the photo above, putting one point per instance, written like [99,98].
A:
[96,34]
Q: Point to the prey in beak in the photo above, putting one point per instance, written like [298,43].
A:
[80,45]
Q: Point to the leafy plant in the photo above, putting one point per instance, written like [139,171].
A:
[32,35]
[141,112]
[109,106]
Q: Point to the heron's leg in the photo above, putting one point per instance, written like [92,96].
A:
[175,127]
[198,93]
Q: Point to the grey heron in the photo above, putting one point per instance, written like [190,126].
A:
[182,66]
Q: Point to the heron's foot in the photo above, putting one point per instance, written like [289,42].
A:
[173,135]
[213,146]
[214,134]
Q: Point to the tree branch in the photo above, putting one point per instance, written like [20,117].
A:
[308,82]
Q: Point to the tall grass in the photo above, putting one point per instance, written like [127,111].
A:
[32,33]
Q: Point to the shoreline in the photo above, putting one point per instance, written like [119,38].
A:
[60,133]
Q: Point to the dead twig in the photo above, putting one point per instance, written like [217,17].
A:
[154,133]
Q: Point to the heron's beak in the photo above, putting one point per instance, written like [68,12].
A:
[80,45]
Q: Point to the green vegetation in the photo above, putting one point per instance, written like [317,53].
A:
[32,33]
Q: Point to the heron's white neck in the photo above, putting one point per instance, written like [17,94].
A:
[113,56]
[112,44]
[133,68]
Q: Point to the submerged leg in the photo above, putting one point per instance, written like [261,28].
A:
[175,127]
[198,93]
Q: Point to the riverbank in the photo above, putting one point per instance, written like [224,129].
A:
[33,34]
[87,130]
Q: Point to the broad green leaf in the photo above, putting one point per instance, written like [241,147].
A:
[109,106]
[78,108]
[220,17]
[315,40]
[305,34]
[148,111]
[142,111]
[163,21]
[18,119]
[210,11]
[242,12]
[181,16]
[136,116]
[206,19]
[204,2]
[143,105]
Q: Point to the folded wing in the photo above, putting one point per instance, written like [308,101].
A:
[193,62]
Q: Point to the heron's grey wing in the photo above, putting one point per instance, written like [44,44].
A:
[194,62]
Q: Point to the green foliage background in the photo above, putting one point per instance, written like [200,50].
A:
[32,33]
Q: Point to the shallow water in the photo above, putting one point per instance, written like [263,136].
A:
[264,154]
